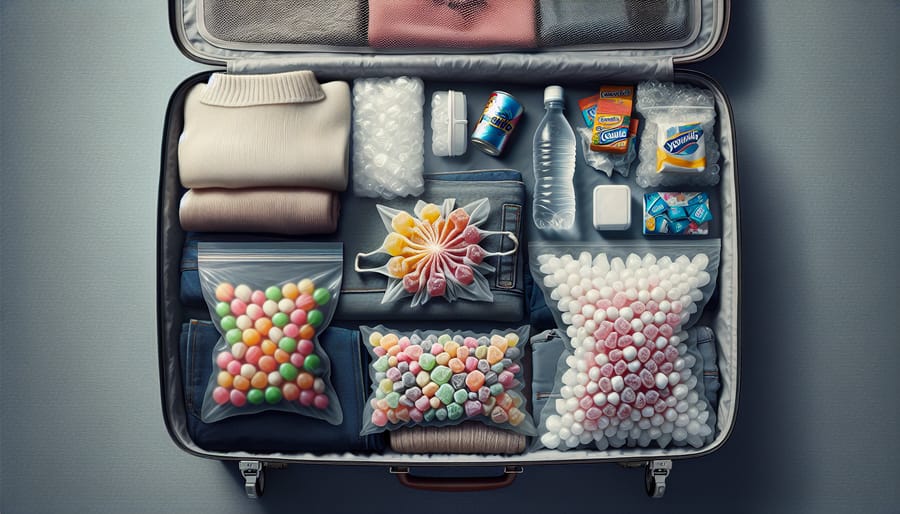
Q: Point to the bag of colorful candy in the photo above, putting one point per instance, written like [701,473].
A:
[627,378]
[436,252]
[270,301]
[439,378]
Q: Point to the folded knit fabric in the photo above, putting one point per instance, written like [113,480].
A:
[274,210]
[470,437]
[451,23]
[586,22]
[280,130]
[317,22]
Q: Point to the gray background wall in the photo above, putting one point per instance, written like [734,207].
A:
[84,89]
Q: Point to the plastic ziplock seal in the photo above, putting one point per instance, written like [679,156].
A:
[436,252]
[625,310]
[439,378]
[270,301]
[678,144]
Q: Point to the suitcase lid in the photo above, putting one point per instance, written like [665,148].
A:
[440,38]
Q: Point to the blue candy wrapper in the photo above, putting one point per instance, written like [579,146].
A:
[681,214]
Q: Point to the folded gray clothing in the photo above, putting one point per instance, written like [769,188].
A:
[585,22]
[315,22]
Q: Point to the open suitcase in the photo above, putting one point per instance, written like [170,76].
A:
[651,39]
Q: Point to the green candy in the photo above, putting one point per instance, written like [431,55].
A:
[460,396]
[454,411]
[273,394]
[321,296]
[311,363]
[379,394]
[288,371]
[288,344]
[445,394]
[255,396]
[381,365]
[315,317]
[233,336]
[227,323]
[497,368]
[441,374]
[444,339]
[441,414]
[273,293]
[223,309]
[429,415]
[480,352]
[496,389]
[280,319]
[426,360]
[393,399]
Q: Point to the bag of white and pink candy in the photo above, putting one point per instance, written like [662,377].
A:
[629,376]
[270,301]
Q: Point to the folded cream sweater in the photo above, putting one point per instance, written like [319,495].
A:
[279,130]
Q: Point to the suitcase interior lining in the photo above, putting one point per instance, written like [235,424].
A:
[721,312]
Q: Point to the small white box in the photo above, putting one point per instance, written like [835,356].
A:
[612,207]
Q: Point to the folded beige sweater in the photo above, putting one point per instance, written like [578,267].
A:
[278,130]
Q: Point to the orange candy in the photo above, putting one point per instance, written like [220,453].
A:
[262,325]
[251,337]
[307,332]
[282,356]
[259,380]
[456,365]
[290,291]
[451,348]
[494,355]
[393,351]
[462,352]
[389,341]
[305,380]
[241,383]
[290,391]
[268,363]
[268,347]
[225,379]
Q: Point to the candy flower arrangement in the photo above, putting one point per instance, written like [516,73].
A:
[629,380]
[436,252]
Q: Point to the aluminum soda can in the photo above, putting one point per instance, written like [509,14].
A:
[500,116]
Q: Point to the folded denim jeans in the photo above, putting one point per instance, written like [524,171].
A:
[361,293]
[275,431]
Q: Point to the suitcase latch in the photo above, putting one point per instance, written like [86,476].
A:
[254,477]
[655,477]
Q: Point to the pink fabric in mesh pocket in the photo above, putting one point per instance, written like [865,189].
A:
[452,23]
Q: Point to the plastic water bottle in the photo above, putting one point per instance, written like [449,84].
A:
[554,166]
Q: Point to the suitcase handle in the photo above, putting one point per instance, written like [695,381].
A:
[456,484]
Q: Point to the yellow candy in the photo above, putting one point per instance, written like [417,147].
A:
[451,347]
[494,355]
[397,267]
[306,286]
[389,340]
[375,338]
[442,358]
[430,213]
[403,223]
[499,342]
[290,291]
[392,361]
[394,244]
[512,338]
[386,385]
[224,379]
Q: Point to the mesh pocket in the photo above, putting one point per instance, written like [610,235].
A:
[585,22]
[447,24]
[313,22]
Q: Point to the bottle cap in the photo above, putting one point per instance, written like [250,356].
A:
[553,93]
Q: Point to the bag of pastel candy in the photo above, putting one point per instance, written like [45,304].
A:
[270,301]
[439,378]
[628,377]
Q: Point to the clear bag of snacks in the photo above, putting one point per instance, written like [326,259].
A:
[270,301]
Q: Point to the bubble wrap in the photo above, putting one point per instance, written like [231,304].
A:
[665,104]
[388,137]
